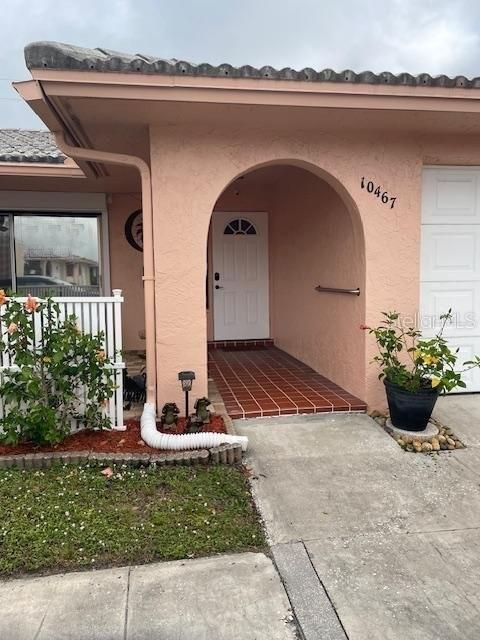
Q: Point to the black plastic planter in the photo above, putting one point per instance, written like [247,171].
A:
[410,410]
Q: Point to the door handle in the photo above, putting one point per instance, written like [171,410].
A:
[217,286]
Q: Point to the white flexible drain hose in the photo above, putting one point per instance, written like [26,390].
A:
[183,441]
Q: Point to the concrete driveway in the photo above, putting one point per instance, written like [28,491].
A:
[390,539]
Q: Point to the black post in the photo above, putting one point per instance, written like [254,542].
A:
[186,404]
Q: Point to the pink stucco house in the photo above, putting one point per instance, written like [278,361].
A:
[257,190]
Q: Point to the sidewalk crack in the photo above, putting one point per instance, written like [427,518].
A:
[127,597]
[37,634]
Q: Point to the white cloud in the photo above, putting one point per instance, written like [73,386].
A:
[436,36]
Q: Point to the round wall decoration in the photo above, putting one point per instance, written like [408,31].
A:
[134,230]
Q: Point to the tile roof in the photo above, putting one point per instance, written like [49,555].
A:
[56,55]
[23,145]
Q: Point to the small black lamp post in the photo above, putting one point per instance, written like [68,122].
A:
[186,378]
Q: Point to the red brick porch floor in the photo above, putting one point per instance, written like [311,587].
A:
[268,382]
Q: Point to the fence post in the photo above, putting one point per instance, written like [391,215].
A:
[118,363]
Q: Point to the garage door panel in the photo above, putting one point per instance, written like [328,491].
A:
[464,300]
[450,196]
[467,350]
[450,252]
[450,260]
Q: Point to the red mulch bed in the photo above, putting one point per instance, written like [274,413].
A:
[128,441]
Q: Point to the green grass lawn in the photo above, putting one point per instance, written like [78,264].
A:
[74,517]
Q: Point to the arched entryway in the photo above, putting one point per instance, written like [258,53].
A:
[277,233]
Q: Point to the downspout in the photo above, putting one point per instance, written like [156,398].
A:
[107,157]
[149,432]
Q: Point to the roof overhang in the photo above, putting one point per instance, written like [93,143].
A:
[97,109]
[51,110]
[68,169]
[128,86]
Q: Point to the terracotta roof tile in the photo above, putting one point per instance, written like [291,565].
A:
[22,145]
[55,55]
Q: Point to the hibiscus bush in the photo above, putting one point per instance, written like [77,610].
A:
[412,362]
[61,378]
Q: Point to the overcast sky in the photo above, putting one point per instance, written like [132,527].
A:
[435,36]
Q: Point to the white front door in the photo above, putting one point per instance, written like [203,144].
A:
[450,259]
[240,276]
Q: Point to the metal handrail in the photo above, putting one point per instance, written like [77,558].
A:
[352,292]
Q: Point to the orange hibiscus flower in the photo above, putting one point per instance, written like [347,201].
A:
[31,304]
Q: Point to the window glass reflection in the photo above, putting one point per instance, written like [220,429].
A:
[56,255]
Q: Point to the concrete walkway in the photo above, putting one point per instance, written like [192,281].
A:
[220,598]
[372,542]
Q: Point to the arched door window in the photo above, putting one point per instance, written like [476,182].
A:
[240,226]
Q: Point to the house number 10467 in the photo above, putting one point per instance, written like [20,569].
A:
[377,191]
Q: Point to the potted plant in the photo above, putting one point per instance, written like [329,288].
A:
[415,370]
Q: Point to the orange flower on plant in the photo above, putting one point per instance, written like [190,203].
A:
[3,296]
[31,304]
[101,356]
[12,327]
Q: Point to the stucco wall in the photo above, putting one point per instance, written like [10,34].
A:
[192,166]
[312,241]
[126,269]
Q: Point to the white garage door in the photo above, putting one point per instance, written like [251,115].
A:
[450,259]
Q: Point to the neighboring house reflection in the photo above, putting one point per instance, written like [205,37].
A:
[53,254]
[71,269]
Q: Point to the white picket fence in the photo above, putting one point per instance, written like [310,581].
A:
[93,315]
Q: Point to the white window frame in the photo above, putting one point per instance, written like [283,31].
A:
[67,203]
